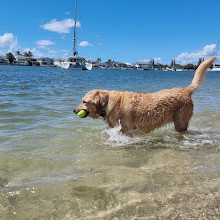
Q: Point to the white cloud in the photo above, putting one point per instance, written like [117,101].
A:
[65,55]
[156,60]
[64,51]
[193,57]
[100,39]
[85,44]
[62,27]
[44,43]
[52,51]
[9,41]
[36,52]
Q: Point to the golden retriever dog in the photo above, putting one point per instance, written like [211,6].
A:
[144,111]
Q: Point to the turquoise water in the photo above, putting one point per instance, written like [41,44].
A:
[54,165]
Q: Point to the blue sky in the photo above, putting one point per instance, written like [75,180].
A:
[121,30]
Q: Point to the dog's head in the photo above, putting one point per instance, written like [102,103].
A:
[94,103]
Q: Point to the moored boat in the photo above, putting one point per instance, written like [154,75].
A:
[76,62]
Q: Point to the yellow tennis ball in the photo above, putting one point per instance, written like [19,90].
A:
[81,113]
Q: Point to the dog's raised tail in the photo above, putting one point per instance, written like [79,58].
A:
[200,73]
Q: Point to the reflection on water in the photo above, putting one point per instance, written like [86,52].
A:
[54,165]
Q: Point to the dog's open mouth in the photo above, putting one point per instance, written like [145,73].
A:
[82,113]
[87,113]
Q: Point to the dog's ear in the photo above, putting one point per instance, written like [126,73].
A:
[101,100]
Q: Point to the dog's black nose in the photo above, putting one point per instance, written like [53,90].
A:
[74,111]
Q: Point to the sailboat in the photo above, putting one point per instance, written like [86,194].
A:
[76,62]
[215,68]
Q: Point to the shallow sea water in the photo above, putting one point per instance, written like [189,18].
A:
[54,165]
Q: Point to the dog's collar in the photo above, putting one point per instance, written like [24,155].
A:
[103,114]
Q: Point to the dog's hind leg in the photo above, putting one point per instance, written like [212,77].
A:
[182,117]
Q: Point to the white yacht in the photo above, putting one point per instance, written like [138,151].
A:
[214,69]
[76,62]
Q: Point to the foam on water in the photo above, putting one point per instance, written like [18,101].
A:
[117,139]
[165,138]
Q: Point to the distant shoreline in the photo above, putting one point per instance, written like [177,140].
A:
[105,68]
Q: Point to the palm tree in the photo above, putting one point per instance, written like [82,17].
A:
[28,56]
[98,60]
[18,54]
[10,57]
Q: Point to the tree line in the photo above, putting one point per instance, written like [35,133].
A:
[11,57]
[188,66]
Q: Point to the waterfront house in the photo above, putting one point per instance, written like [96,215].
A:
[3,60]
[96,65]
[125,65]
[21,60]
[46,61]
[57,62]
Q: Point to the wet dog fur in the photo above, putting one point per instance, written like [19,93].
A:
[144,111]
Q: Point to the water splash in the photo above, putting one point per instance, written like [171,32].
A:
[116,137]
[163,138]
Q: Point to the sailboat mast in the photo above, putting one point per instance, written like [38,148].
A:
[74,47]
